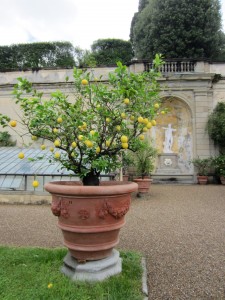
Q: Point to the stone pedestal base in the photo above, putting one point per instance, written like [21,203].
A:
[97,270]
[168,164]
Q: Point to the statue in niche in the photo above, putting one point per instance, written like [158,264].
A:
[168,143]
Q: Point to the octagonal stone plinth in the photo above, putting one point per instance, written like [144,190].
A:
[97,270]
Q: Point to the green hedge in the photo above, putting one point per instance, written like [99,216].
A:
[36,56]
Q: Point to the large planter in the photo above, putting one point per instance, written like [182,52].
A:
[143,184]
[90,217]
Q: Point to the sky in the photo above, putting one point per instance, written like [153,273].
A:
[80,22]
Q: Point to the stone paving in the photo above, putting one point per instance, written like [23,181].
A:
[180,229]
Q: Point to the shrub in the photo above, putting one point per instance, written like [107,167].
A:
[216,125]
[5,139]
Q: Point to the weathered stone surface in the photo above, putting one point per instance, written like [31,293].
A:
[92,270]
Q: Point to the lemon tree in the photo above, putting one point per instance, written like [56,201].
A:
[89,133]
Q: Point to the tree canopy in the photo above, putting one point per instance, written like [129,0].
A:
[36,55]
[110,51]
[178,29]
[64,55]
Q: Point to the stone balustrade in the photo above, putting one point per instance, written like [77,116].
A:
[172,66]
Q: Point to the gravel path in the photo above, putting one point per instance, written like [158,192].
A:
[179,229]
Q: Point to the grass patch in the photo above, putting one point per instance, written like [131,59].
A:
[25,274]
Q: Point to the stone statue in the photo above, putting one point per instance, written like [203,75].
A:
[168,143]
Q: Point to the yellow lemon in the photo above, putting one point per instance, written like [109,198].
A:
[34,138]
[57,143]
[92,132]
[126,101]
[107,143]
[57,155]
[149,125]
[163,112]
[124,139]
[74,144]
[51,149]
[98,149]
[35,183]
[156,105]
[145,129]
[141,137]
[84,126]
[118,127]
[145,121]
[89,144]
[123,115]
[124,145]
[132,118]
[21,155]
[50,285]
[108,120]
[59,120]
[84,82]
[13,123]
[153,122]
[43,147]
[55,130]
[80,137]
[140,119]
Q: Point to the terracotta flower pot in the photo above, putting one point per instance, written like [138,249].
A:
[222,179]
[126,178]
[202,179]
[90,217]
[143,184]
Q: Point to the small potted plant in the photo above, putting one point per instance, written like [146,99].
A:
[219,164]
[87,135]
[202,165]
[144,159]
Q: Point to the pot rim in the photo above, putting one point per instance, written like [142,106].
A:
[144,179]
[105,188]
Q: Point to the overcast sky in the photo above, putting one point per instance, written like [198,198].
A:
[79,21]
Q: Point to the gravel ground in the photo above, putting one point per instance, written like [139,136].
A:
[179,229]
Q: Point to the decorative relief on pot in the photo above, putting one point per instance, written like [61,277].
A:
[116,212]
[103,211]
[64,209]
[56,206]
[60,207]
[83,214]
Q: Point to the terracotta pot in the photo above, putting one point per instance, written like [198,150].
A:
[143,184]
[222,179]
[90,217]
[125,178]
[202,179]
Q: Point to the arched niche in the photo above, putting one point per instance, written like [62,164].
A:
[176,122]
